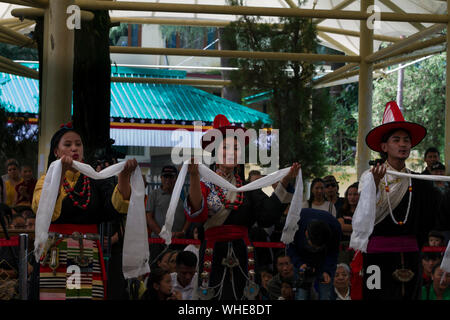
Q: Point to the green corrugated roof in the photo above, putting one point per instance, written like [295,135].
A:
[139,100]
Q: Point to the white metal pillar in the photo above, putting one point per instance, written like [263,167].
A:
[58,54]
[364,93]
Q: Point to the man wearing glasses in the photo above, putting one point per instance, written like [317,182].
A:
[157,205]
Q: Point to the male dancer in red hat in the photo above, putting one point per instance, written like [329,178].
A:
[406,210]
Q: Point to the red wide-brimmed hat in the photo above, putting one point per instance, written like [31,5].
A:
[393,119]
[221,123]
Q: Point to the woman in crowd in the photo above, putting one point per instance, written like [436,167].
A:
[439,289]
[13,179]
[265,274]
[342,282]
[317,198]
[429,260]
[163,261]
[24,190]
[344,216]
[81,205]
[287,293]
[159,286]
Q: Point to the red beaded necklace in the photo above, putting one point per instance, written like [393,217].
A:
[78,197]
[239,197]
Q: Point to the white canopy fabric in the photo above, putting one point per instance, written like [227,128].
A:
[395,29]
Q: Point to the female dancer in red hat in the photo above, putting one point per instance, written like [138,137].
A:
[226,257]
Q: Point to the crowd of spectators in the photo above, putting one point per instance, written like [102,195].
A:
[16,192]
[315,266]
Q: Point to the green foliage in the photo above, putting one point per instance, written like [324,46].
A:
[190,36]
[18,53]
[297,110]
[342,131]
[423,98]
[17,140]
[116,32]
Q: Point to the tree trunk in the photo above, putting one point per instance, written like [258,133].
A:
[228,92]
[91,84]
[401,74]
[38,36]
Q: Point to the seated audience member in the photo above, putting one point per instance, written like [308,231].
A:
[167,260]
[25,189]
[254,175]
[332,191]
[344,216]
[17,222]
[265,274]
[285,273]
[342,282]
[429,260]
[10,183]
[439,289]
[159,286]
[436,239]
[30,219]
[184,280]
[431,157]
[317,198]
[161,261]
[438,169]
[287,293]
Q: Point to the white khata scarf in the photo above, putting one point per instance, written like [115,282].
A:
[293,214]
[367,213]
[135,247]
[397,190]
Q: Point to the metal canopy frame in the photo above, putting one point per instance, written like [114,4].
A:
[365,61]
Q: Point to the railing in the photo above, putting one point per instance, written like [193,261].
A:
[20,241]
[198,242]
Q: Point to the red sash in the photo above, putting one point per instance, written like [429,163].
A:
[226,233]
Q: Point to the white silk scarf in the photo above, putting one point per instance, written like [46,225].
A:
[445,264]
[364,217]
[207,174]
[135,247]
